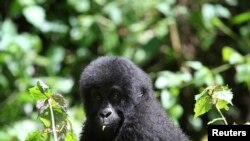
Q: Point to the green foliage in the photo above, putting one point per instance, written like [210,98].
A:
[37,136]
[52,114]
[183,45]
[218,96]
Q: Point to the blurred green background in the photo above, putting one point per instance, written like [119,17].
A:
[183,45]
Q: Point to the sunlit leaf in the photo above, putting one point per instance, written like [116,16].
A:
[167,99]
[241,18]
[35,15]
[36,93]
[203,76]
[8,28]
[80,5]
[194,64]
[243,73]
[70,137]
[42,86]
[221,104]
[114,12]
[176,111]
[59,99]
[225,95]
[231,56]
[37,136]
[168,79]
[222,11]
[202,105]
[46,122]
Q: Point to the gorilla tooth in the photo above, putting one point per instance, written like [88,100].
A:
[103,127]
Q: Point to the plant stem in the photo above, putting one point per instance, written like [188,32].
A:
[224,119]
[221,68]
[53,121]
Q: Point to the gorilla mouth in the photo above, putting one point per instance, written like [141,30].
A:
[105,126]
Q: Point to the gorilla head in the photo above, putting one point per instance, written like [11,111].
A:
[119,104]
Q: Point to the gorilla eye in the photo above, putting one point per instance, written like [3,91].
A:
[114,94]
[96,95]
[143,91]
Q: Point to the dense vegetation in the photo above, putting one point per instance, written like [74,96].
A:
[183,45]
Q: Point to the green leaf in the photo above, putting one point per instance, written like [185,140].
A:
[231,56]
[70,137]
[8,28]
[241,18]
[225,95]
[168,79]
[221,104]
[198,96]
[80,5]
[243,73]
[35,15]
[167,99]
[194,64]
[114,12]
[60,101]
[46,122]
[202,105]
[42,86]
[36,93]
[203,76]
[176,111]
[37,136]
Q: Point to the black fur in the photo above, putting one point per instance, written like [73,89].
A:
[141,117]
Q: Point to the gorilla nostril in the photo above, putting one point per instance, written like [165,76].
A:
[105,113]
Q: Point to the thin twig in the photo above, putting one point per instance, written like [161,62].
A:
[214,120]
[224,119]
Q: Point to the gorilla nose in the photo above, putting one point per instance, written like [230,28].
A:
[106,113]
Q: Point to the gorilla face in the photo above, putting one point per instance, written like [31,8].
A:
[105,109]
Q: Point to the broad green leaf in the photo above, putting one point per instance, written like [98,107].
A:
[194,64]
[80,5]
[221,104]
[8,28]
[241,18]
[37,136]
[167,99]
[114,12]
[176,111]
[231,56]
[222,11]
[225,95]
[168,79]
[60,101]
[36,93]
[208,13]
[42,86]
[243,73]
[70,137]
[198,96]
[202,105]
[203,76]
[35,15]
[46,122]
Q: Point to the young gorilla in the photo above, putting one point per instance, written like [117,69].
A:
[120,106]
